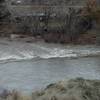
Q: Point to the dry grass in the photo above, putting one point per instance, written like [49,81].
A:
[75,89]
[78,89]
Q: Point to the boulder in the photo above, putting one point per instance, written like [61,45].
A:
[4,93]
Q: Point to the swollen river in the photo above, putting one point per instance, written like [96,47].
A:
[31,66]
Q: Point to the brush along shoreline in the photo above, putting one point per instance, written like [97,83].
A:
[73,89]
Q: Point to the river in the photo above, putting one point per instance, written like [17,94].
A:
[31,66]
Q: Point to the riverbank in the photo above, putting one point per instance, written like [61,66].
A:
[89,38]
[74,89]
[50,37]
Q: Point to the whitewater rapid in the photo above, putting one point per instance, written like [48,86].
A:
[31,75]
[15,50]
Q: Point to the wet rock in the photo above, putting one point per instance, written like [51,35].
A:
[14,36]
[4,93]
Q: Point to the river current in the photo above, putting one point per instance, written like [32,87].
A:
[31,66]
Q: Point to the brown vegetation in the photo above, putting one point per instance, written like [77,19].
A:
[55,25]
[74,89]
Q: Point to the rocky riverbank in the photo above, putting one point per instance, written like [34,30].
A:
[74,89]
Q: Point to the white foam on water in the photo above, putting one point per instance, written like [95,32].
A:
[15,50]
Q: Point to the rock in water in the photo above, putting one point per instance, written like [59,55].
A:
[4,93]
